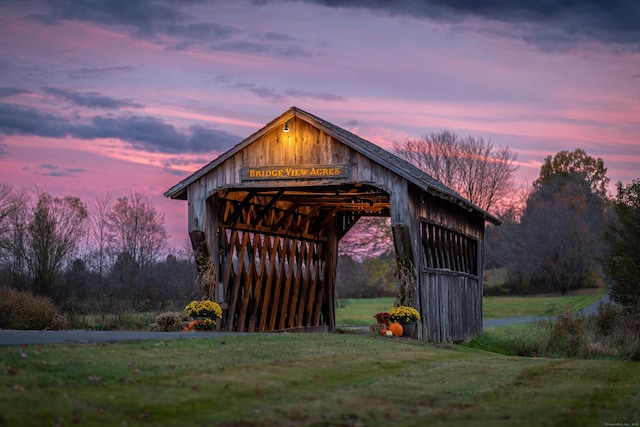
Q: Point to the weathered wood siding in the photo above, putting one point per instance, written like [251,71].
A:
[303,145]
[281,283]
[274,280]
[449,291]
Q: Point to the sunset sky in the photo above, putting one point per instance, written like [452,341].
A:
[117,96]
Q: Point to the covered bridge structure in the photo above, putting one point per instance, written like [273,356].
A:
[266,218]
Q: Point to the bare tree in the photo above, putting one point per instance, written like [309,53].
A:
[370,236]
[7,206]
[13,230]
[99,237]
[473,167]
[54,231]
[137,237]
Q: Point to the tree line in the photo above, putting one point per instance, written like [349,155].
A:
[556,243]
[563,233]
[109,256]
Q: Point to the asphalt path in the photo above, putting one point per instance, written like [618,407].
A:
[490,323]
[10,337]
[80,336]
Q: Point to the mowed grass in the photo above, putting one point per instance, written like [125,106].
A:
[360,311]
[538,306]
[309,380]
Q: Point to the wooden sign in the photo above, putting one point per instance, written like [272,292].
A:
[270,173]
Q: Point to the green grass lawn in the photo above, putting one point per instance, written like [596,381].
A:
[537,306]
[360,311]
[307,379]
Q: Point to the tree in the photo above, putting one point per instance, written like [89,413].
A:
[175,280]
[54,231]
[558,242]
[576,162]
[99,237]
[561,230]
[473,167]
[137,237]
[13,230]
[622,266]
[370,236]
[7,207]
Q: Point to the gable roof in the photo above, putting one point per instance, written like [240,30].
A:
[401,167]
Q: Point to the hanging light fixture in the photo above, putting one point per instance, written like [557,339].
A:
[286,126]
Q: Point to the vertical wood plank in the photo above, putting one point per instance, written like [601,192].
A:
[266,309]
[296,271]
[244,279]
[277,292]
[260,279]
[290,249]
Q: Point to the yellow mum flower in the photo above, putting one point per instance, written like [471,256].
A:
[404,314]
[205,308]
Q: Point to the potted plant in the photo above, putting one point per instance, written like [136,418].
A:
[205,325]
[404,314]
[407,317]
[205,309]
[204,314]
[383,318]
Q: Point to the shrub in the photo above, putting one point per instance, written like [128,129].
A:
[168,322]
[612,333]
[607,318]
[567,335]
[23,310]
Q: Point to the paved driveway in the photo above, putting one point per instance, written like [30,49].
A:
[13,337]
[592,309]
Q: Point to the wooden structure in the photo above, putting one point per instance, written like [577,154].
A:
[273,209]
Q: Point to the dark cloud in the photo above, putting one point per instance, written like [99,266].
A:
[159,20]
[242,46]
[314,95]
[151,134]
[11,91]
[251,48]
[276,95]
[261,91]
[56,171]
[96,73]
[279,37]
[146,19]
[91,99]
[202,31]
[143,15]
[142,133]
[18,120]
[146,133]
[605,21]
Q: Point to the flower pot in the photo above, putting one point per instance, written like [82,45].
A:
[409,330]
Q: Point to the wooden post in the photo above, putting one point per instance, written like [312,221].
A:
[331,261]
[207,277]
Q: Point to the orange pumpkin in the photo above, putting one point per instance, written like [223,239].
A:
[383,331]
[396,329]
[190,325]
